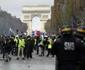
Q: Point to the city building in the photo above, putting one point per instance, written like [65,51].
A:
[10,24]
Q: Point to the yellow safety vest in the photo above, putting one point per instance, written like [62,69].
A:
[54,40]
[22,42]
[35,41]
[49,46]
[41,42]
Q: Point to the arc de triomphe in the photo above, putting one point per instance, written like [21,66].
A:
[30,11]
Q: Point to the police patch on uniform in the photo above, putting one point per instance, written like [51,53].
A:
[69,46]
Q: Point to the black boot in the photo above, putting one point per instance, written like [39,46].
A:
[17,58]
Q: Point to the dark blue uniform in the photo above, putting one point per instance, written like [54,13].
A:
[67,50]
[80,34]
[82,58]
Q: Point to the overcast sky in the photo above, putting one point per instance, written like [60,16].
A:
[15,6]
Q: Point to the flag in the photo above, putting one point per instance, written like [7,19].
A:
[11,31]
[38,33]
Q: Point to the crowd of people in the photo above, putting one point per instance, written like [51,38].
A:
[23,46]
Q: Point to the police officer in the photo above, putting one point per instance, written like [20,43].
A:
[67,49]
[80,34]
[50,43]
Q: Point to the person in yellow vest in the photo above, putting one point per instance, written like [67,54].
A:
[3,46]
[7,50]
[12,44]
[41,48]
[50,42]
[34,43]
[21,46]
[16,44]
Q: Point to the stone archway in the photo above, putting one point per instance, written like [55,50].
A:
[42,11]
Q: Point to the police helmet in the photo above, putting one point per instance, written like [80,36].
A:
[80,31]
[66,29]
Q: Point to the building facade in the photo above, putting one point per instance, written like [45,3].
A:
[8,22]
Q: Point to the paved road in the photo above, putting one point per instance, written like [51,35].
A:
[37,63]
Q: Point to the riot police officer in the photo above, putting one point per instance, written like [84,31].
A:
[67,49]
[80,34]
